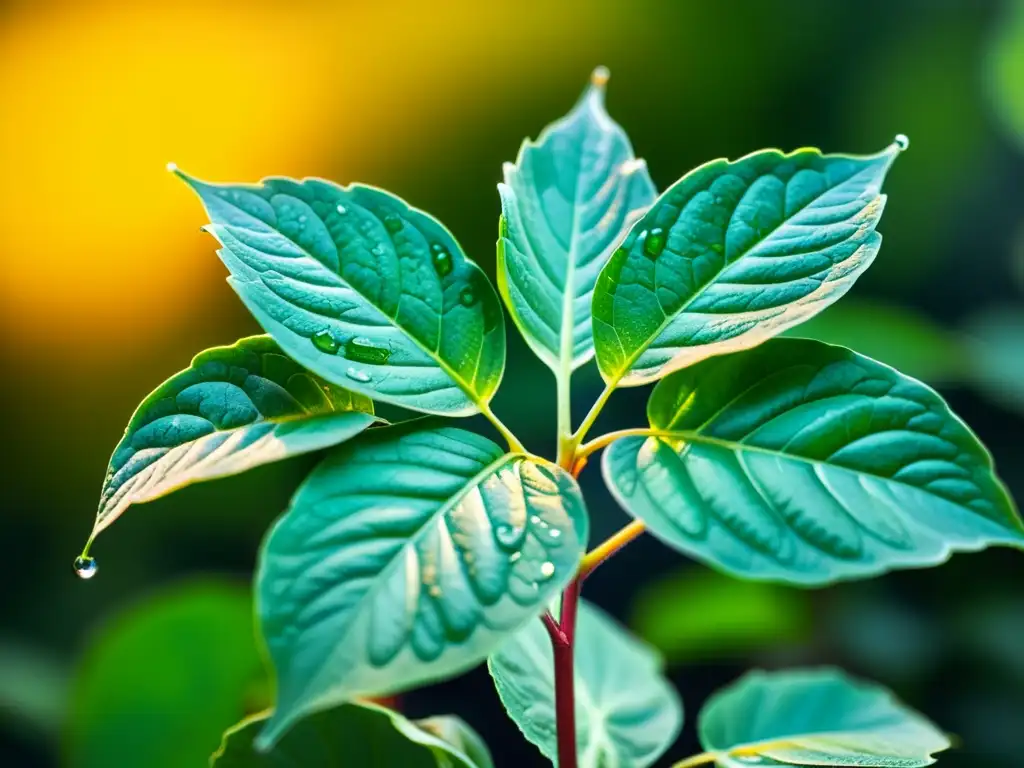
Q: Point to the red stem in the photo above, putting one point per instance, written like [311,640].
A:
[565,694]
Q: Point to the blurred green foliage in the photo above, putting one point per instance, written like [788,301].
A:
[696,614]
[160,676]
[163,679]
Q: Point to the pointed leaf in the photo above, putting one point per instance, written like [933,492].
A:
[807,463]
[363,290]
[627,713]
[358,735]
[408,556]
[232,409]
[733,254]
[566,203]
[815,717]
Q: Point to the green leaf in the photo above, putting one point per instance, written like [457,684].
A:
[158,683]
[406,557]
[895,335]
[1005,70]
[232,409]
[627,713]
[733,254]
[814,717]
[697,613]
[357,735]
[566,203]
[806,463]
[363,290]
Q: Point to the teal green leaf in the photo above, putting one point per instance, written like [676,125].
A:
[159,681]
[406,557]
[814,717]
[696,613]
[895,335]
[357,735]
[733,254]
[806,463]
[566,203]
[627,713]
[232,409]
[363,290]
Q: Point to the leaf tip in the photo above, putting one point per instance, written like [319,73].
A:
[600,76]
[172,167]
[901,142]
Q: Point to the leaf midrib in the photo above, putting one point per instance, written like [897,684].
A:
[670,318]
[474,398]
[737,446]
[380,577]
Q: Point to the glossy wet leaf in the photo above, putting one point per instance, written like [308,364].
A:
[806,463]
[696,613]
[357,735]
[159,681]
[408,556]
[733,254]
[892,334]
[627,713]
[363,290]
[232,409]
[815,717]
[567,201]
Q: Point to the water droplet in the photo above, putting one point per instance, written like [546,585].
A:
[902,141]
[363,350]
[441,259]
[342,209]
[356,375]
[535,520]
[554,533]
[378,250]
[302,219]
[392,223]
[514,557]
[547,570]
[467,297]
[86,567]
[325,342]
[599,77]
[654,243]
[172,167]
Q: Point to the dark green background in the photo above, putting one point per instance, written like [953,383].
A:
[691,82]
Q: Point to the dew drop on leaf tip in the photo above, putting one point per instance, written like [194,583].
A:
[85,566]
[902,142]
[599,77]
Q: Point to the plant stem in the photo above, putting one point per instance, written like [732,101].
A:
[565,677]
[701,759]
[513,442]
[605,440]
[566,445]
[612,545]
[591,417]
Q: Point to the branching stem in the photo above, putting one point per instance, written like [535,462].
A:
[613,544]
[514,444]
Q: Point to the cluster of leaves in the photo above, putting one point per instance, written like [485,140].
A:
[417,549]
